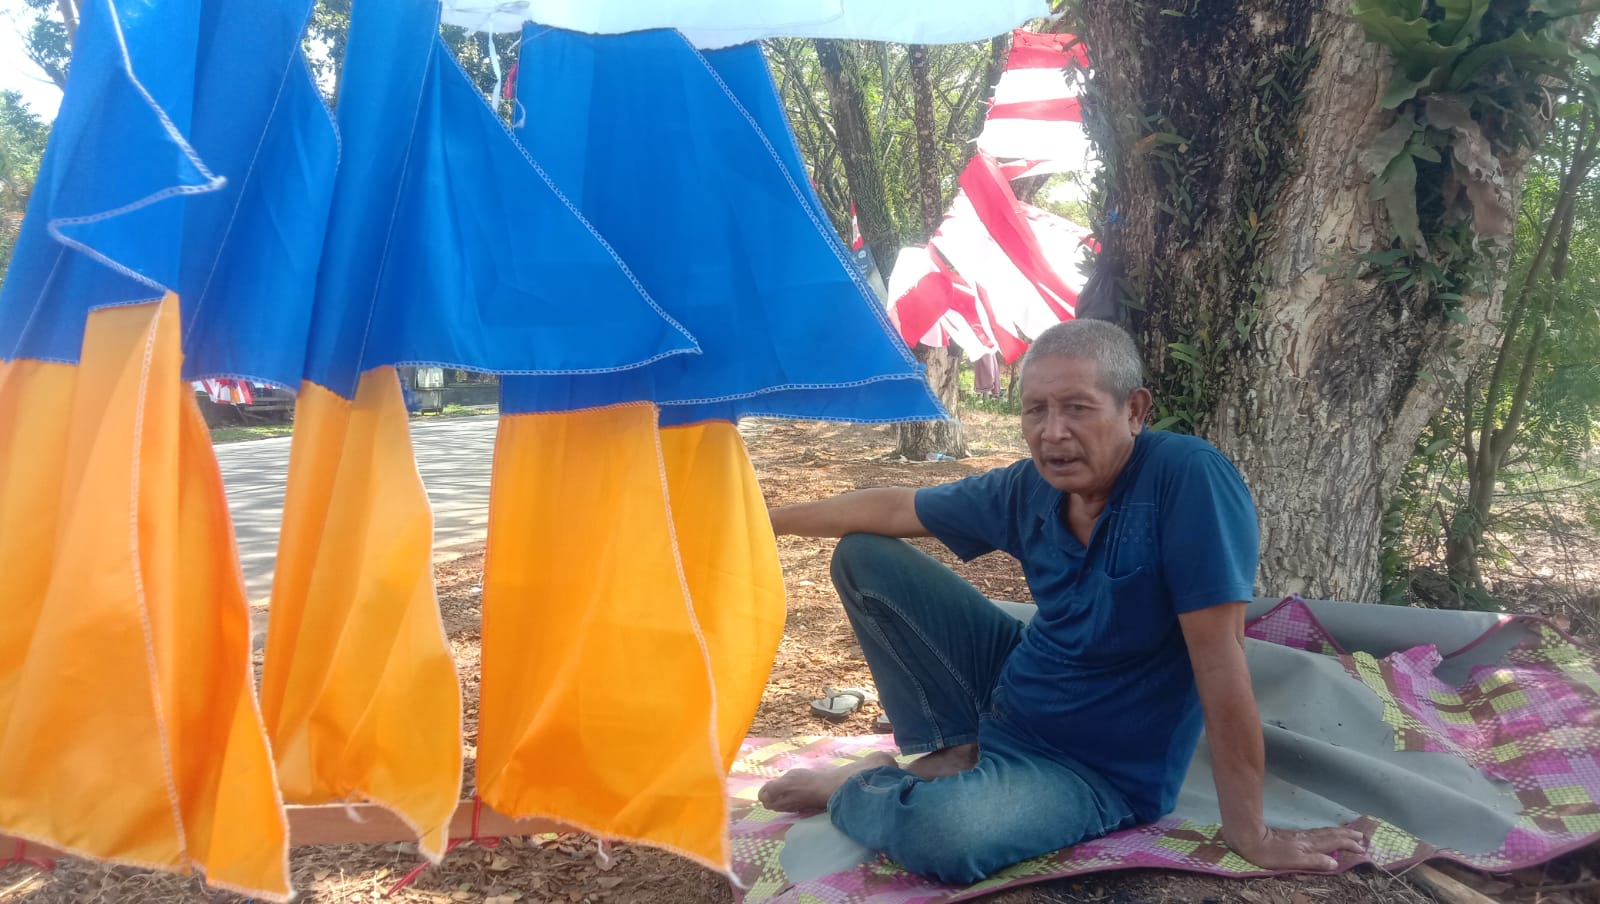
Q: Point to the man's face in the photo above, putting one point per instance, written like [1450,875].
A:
[1079,434]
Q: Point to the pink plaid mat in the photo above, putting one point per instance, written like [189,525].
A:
[1532,719]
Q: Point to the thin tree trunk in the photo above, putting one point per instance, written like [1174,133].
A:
[1518,317]
[1488,450]
[855,151]
[927,147]
[999,46]
[916,440]
[69,18]
[810,130]
[965,119]
[1311,382]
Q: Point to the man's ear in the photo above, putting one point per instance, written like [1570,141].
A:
[1139,404]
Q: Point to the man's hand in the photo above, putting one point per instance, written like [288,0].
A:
[1215,638]
[1297,849]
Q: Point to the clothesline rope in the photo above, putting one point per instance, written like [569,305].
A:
[487,844]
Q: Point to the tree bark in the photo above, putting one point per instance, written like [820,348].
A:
[812,127]
[916,440]
[855,151]
[928,192]
[1235,207]
[69,18]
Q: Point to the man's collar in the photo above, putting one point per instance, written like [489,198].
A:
[1045,499]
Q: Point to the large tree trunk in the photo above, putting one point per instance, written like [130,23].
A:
[916,440]
[1235,208]
[861,171]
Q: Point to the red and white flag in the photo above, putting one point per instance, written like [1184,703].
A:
[921,292]
[1014,302]
[1036,114]
[1012,268]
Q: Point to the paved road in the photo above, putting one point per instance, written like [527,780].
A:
[454,456]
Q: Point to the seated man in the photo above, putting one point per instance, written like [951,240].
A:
[1140,549]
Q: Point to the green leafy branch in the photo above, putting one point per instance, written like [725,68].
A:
[1463,72]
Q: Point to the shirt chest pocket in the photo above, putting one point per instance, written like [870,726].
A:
[1131,544]
[1122,617]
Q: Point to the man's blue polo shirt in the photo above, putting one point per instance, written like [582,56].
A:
[1102,672]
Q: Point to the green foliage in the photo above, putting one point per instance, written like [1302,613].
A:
[24,131]
[1068,208]
[1463,69]
[328,32]
[22,142]
[45,39]
[1471,81]
[978,402]
[1535,502]
[1549,481]
[472,50]
[324,43]
[1009,402]
[1563,408]
[1421,514]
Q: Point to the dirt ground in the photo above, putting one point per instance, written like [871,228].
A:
[795,462]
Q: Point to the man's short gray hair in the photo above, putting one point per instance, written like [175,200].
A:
[1106,344]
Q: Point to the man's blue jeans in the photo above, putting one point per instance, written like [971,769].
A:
[936,647]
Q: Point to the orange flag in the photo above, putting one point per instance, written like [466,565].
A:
[128,727]
[632,606]
[359,690]
[730,562]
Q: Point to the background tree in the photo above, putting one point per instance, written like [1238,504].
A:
[1495,422]
[960,78]
[329,30]
[22,141]
[891,127]
[1505,459]
[917,439]
[847,101]
[50,26]
[1305,209]
[324,44]
[48,30]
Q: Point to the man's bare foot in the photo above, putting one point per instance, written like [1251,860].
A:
[808,790]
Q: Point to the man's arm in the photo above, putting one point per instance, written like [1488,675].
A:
[890,511]
[1215,638]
